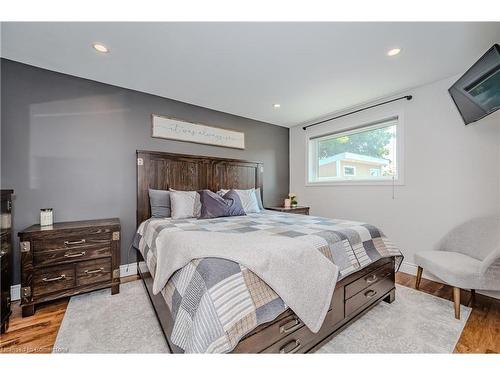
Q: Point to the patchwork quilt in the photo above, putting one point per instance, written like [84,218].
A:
[216,302]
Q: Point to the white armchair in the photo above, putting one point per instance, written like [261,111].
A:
[468,258]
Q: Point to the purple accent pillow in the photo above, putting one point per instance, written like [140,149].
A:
[213,205]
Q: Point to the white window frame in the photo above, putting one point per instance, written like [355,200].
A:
[353,169]
[354,124]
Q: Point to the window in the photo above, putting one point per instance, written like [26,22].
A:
[349,171]
[368,153]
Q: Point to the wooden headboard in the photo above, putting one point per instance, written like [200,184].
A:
[161,170]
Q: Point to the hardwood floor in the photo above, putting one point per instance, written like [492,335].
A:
[37,333]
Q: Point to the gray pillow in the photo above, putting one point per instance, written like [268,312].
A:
[248,199]
[185,204]
[213,205]
[259,198]
[159,200]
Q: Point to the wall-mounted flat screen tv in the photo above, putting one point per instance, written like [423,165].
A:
[477,93]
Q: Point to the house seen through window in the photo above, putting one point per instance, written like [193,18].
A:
[365,153]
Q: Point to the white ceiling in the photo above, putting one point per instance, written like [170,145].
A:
[311,69]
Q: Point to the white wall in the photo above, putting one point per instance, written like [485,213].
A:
[452,172]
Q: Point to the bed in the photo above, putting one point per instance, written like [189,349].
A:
[217,305]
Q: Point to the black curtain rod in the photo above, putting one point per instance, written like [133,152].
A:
[407,97]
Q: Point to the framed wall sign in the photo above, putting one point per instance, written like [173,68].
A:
[179,130]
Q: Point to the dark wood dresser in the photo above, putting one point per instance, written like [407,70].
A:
[302,210]
[5,257]
[68,258]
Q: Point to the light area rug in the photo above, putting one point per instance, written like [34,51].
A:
[99,322]
[415,322]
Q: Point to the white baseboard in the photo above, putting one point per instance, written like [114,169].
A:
[411,268]
[128,269]
[125,270]
[15,292]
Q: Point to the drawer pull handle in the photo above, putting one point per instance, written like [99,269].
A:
[296,346]
[88,272]
[290,326]
[74,255]
[371,279]
[370,294]
[79,242]
[62,277]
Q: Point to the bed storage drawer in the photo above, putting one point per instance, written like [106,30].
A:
[286,325]
[368,296]
[302,339]
[370,279]
[272,333]
[293,343]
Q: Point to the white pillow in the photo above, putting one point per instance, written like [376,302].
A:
[185,204]
[248,199]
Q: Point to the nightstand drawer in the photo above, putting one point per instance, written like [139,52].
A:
[93,271]
[72,254]
[72,242]
[53,279]
[301,210]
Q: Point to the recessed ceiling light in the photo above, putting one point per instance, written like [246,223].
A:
[393,52]
[100,47]
[276,105]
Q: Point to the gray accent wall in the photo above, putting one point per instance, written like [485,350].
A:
[69,143]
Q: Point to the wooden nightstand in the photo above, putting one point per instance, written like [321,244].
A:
[302,210]
[68,258]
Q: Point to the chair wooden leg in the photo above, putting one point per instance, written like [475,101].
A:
[456,301]
[419,277]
